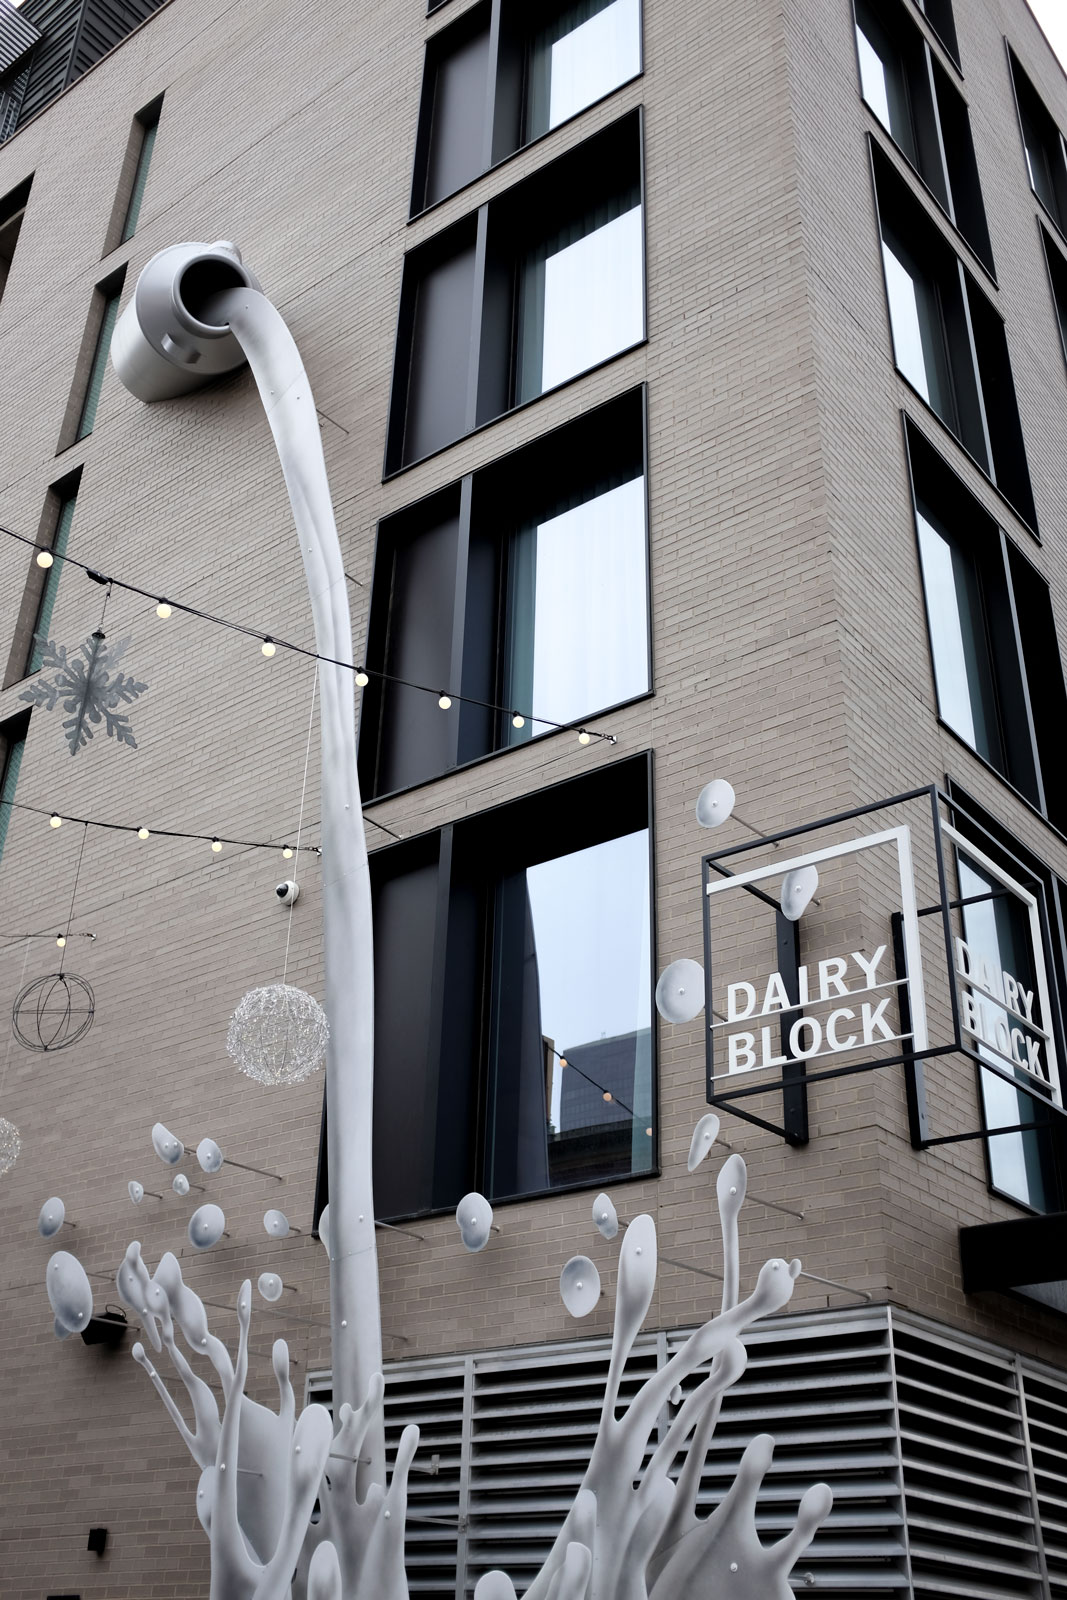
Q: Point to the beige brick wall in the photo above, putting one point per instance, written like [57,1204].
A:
[790,655]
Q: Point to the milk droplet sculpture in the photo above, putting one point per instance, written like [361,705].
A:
[69,1293]
[798,887]
[51,1218]
[715,802]
[680,991]
[136,1191]
[276,1224]
[605,1216]
[209,1155]
[704,1135]
[181,1184]
[167,1147]
[270,1286]
[579,1286]
[206,1227]
[474,1218]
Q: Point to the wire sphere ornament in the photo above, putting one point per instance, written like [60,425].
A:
[10,1145]
[278,1034]
[53,1012]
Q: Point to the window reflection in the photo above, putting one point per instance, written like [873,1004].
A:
[918,330]
[571,1070]
[588,50]
[997,931]
[578,610]
[884,81]
[959,640]
[582,296]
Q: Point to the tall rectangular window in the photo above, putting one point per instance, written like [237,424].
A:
[939,15]
[523,587]
[1043,146]
[542,283]
[107,312]
[49,588]
[146,124]
[12,744]
[12,212]
[918,105]
[513,999]
[1057,273]
[993,640]
[949,341]
[506,72]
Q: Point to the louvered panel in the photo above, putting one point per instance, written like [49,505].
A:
[966,1483]
[823,1388]
[1046,1411]
[535,1417]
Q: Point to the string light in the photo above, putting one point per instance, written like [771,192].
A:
[60,940]
[142,833]
[518,720]
[216,846]
[267,648]
[607,1095]
[165,608]
[45,558]
[55,820]
[287,852]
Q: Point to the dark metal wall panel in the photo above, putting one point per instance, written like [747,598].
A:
[17,36]
[74,36]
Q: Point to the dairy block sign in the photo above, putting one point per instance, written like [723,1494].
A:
[851,1001]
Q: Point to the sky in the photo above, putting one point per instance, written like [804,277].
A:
[1052,15]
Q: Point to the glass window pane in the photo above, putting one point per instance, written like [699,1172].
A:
[571,1072]
[578,610]
[959,641]
[99,366]
[144,161]
[918,331]
[589,50]
[884,82]
[582,299]
[51,583]
[998,934]
[7,786]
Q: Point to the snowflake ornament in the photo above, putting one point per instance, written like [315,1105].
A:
[87,686]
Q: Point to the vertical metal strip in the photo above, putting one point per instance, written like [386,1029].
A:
[1031,1476]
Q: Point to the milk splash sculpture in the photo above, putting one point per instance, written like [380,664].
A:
[631,1534]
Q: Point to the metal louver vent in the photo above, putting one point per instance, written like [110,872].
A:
[1046,1412]
[432,1397]
[970,1512]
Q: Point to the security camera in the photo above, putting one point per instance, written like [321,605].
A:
[287,892]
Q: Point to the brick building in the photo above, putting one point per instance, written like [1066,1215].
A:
[693,376]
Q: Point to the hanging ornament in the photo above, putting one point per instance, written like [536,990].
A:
[88,688]
[53,1012]
[10,1145]
[278,1034]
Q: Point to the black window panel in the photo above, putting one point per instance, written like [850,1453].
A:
[444,590]
[1008,635]
[431,378]
[486,82]
[446,909]
[456,110]
[939,16]
[12,212]
[948,340]
[1057,272]
[1042,145]
[459,332]
[965,190]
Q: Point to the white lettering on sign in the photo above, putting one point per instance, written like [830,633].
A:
[997,1010]
[846,1027]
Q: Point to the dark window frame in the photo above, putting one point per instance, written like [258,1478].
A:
[944,34]
[586,799]
[1009,645]
[1029,102]
[1056,267]
[975,343]
[487,237]
[498,146]
[13,732]
[465,492]
[92,360]
[13,206]
[142,132]
[937,127]
[40,581]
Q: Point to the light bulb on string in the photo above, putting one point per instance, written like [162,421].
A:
[55,820]
[216,846]
[267,648]
[163,610]
[445,701]
[287,852]
[60,940]
[607,1094]
[142,833]
[583,737]
[45,558]
[362,679]
[518,720]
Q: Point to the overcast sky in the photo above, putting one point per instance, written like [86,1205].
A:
[1052,15]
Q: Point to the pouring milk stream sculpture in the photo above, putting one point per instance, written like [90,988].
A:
[197,312]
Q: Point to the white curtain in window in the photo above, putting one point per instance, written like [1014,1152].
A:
[593,298]
[593,59]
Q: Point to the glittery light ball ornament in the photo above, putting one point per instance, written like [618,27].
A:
[10,1145]
[278,1034]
